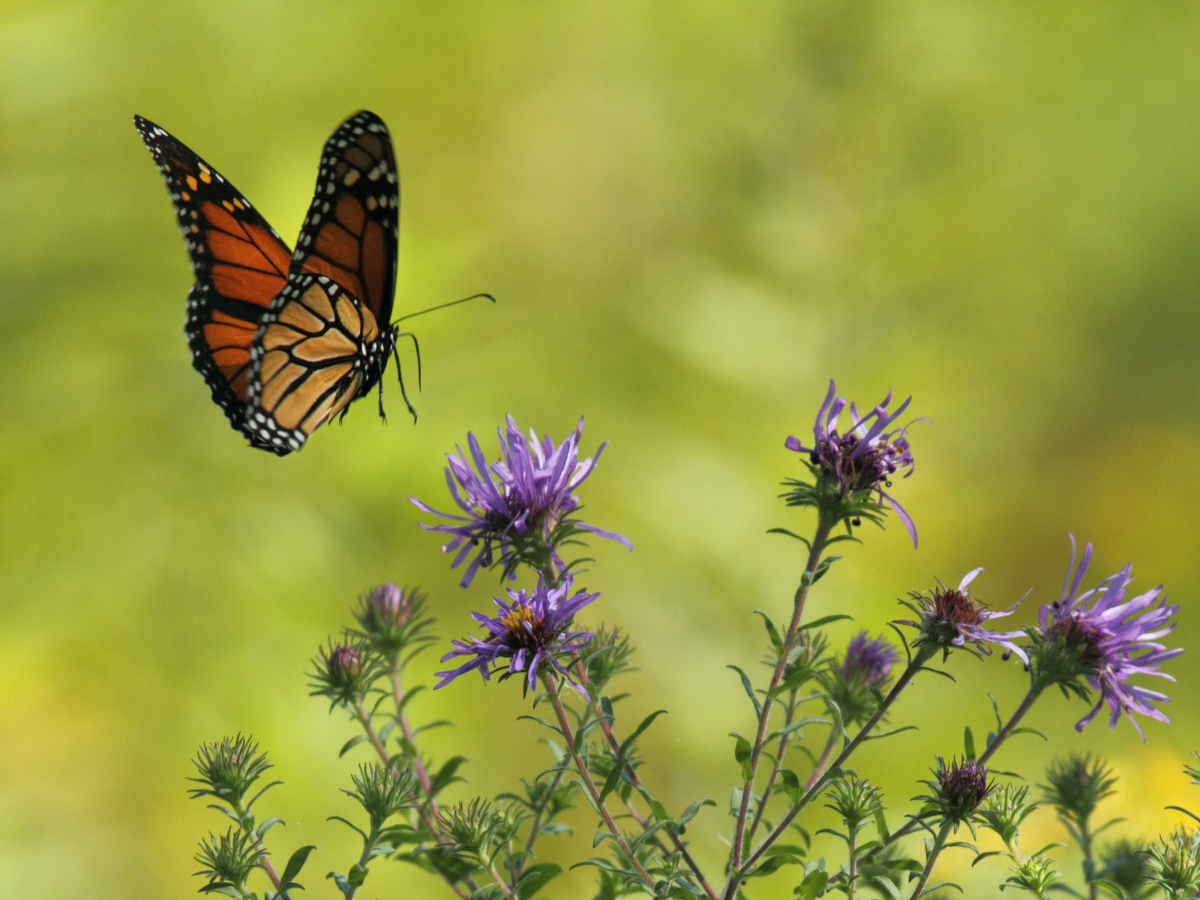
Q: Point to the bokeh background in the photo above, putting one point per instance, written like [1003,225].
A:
[694,214]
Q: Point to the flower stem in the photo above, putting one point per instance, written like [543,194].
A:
[589,785]
[764,717]
[823,762]
[632,775]
[1004,733]
[406,730]
[364,719]
[264,857]
[934,852]
[789,715]
[815,789]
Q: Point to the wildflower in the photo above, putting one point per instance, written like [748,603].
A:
[227,860]
[866,667]
[953,618]
[958,789]
[528,632]
[869,661]
[392,620]
[1174,864]
[345,672]
[1100,636]
[852,469]
[1075,786]
[228,769]
[519,509]
[382,792]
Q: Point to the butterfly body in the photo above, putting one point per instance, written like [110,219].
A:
[287,340]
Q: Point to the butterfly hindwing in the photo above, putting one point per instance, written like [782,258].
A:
[313,354]
[239,262]
[351,231]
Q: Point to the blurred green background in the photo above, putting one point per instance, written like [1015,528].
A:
[694,214]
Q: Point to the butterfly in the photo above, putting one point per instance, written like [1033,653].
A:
[287,340]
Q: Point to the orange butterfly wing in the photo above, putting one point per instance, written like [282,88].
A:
[240,265]
[351,232]
[312,356]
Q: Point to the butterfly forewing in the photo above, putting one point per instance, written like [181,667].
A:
[350,234]
[311,357]
[239,262]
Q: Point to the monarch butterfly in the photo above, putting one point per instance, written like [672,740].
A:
[287,340]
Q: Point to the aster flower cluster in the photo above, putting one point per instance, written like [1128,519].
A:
[821,694]
[520,509]
[531,630]
[1100,639]
[851,470]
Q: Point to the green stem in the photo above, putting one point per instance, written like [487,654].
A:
[632,775]
[852,869]
[813,791]
[764,717]
[789,715]
[589,785]
[364,719]
[934,852]
[264,857]
[1003,734]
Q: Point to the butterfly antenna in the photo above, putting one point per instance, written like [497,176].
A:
[444,305]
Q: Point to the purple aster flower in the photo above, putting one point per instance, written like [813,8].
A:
[871,661]
[519,508]
[528,632]
[863,460]
[953,618]
[1111,639]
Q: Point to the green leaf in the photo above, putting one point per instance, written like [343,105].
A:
[886,886]
[882,826]
[824,620]
[646,723]
[791,785]
[968,743]
[613,779]
[815,879]
[742,753]
[295,863]
[772,632]
[690,813]
[804,541]
[1027,730]
[445,775]
[537,877]
[823,567]
[749,689]
[798,724]
[607,707]
[352,743]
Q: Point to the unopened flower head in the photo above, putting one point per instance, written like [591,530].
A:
[392,619]
[381,791]
[228,769]
[1076,784]
[953,618]
[1174,864]
[852,469]
[519,509]
[345,672]
[529,631]
[1106,639]
[227,860]
[959,788]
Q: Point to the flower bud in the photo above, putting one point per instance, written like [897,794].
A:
[228,859]
[228,769]
[957,790]
[345,672]
[381,792]
[1076,783]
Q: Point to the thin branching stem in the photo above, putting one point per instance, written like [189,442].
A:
[934,852]
[784,739]
[632,775]
[589,785]
[914,666]
[764,718]
[427,820]
[264,857]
